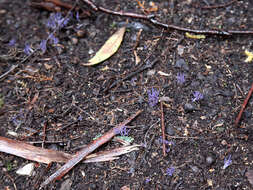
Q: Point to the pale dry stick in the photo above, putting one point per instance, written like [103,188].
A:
[87,150]
[13,67]
[176,137]
[145,136]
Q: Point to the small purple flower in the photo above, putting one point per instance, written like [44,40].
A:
[153,97]
[54,40]
[18,119]
[56,20]
[147,180]
[123,131]
[80,118]
[43,46]
[12,42]
[170,171]
[167,143]
[133,81]
[51,22]
[28,50]
[180,78]
[77,17]
[197,96]
[227,162]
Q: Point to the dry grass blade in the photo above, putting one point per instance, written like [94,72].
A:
[110,154]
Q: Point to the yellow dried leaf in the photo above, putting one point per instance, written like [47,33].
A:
[108,49]
[249,56]
[193,36]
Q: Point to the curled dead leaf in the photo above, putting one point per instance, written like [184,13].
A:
[110,47]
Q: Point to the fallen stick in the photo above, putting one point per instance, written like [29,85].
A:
[87,150]
[151,19]
[244,105]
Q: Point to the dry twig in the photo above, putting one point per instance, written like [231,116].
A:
[87,150]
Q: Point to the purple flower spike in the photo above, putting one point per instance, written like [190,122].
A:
[43,46]
[28,50]
[123,131]
[170,171]
[57,21]
[197,96]
[77,17]
[54,40]
[180,78]
[147,180]
[12,42]
[153,97]
[227,162]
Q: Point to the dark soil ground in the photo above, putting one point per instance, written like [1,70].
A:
[70,96]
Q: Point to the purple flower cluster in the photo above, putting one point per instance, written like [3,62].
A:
[12,42]
[28,50]
[197,96]
[227,162]
[123,131]
[180,78]
[167,143]
[18,119]
[153,97]
[57,21]
[170,171]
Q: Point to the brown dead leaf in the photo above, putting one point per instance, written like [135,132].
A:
[108,49]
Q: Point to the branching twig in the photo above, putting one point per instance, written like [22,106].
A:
[13,67]
[87,150]
[146,66]
[151,19]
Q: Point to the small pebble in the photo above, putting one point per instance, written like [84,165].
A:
[210,159]
[151,72]
[66,185]
[170,131]
[2,11]
[80,33]
[195,169]
[74,40]
[189,107]
[180,63]
[112,98]
[224,142]
[26,170]
[140,100]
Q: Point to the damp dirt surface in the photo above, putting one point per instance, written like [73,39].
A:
[52,100]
